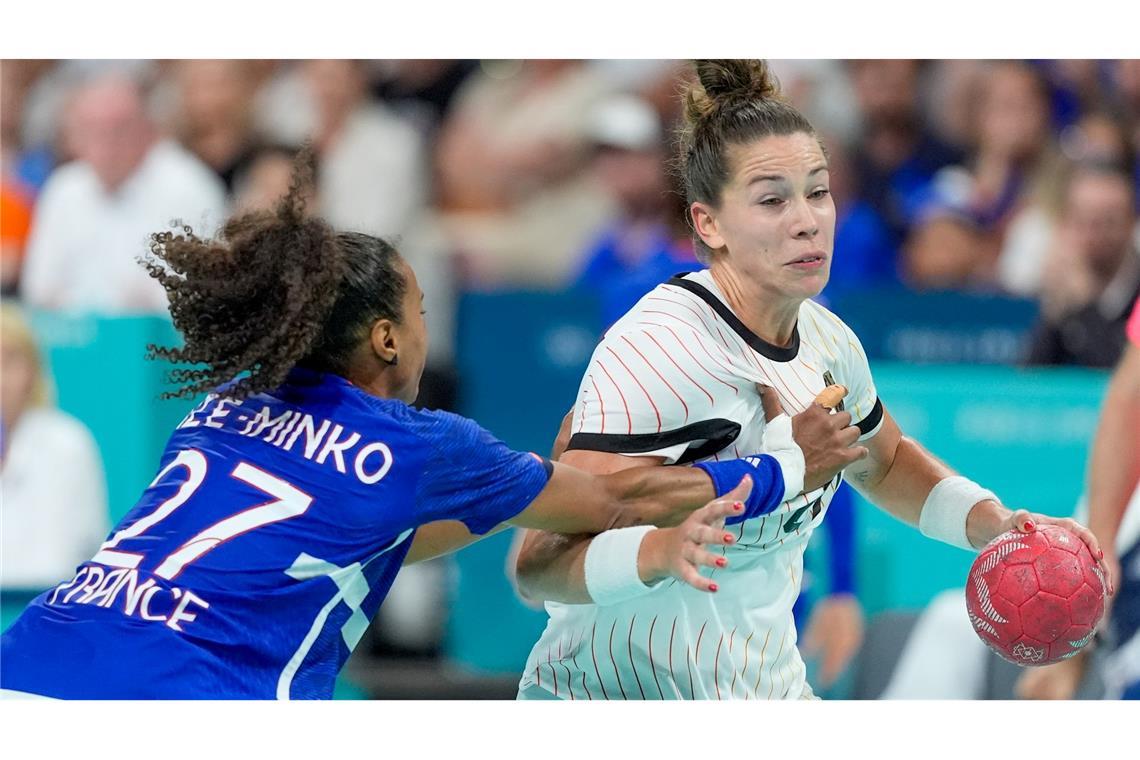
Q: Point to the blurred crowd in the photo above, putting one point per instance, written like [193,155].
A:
[1005,177]
[1014,179]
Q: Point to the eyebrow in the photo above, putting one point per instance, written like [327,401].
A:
[782,178]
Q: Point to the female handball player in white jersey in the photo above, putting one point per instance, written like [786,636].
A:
[684,376]
[286,502]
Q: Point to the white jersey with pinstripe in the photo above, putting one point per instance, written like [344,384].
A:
[676,377]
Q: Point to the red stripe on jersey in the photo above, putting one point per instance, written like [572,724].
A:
[651,665]
[574,659]
[716,318]
[569,675]
[650,365]
[697,652]
[689,665]
[629,643]
[553,672]
[681,343]
[683,372]
[794,371]
[639,385]
[601,409]
[716,665]
[763,649]
[672,677]
[614,662]
[772,688]
[745,670]
[696,313]
[593,637]
[622,395]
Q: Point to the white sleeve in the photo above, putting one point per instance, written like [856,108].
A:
[855,373]
[637,399]
[46,260]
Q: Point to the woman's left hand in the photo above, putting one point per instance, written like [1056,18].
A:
[1024,521]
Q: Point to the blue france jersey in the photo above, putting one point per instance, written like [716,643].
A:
[251,566]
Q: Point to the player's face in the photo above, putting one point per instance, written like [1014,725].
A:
[413,338]
[775,226]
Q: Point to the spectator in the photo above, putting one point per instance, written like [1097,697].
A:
[373,168]
[17,192]
[264,177]
[1126,79]
[423,91]
[895,159]
[1097,271]
[55,499]
[965,219]
[213,113]
[518,198]
[94,215]
[640,249]
[1035,243]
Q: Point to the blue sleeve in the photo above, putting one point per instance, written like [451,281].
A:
[840,524]
[473,477]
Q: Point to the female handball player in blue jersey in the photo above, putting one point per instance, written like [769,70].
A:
[286,502]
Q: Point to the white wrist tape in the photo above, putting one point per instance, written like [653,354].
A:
[779,444]
[611,566]
[944,512]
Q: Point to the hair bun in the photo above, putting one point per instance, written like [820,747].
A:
[734,78]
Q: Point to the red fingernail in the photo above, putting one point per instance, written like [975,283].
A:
[737,506]
[728,538]
[712,587]
[1028,525]
[1101,555]
[721,562]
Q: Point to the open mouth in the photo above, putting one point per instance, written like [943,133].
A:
[808,260]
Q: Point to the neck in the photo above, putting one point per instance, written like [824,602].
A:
[380,382]
[770,315]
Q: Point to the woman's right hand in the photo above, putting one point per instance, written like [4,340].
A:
[680,552]
[828,441]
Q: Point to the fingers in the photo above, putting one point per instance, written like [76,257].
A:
[1093,545]
[690,575]
[1026,522]
[1023,521]
[741,493]
[830,396]
[771,401]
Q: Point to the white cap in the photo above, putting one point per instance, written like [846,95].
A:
[624,121]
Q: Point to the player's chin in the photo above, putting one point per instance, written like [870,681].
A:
[810,284]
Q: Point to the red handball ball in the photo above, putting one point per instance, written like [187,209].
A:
[1035,598]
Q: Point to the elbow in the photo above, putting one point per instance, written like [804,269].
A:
[621,495]
[527,574]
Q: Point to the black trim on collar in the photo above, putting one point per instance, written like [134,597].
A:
[758,344]
[716,434]
[868,423]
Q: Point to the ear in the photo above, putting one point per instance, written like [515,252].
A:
[384,341]
[705,223]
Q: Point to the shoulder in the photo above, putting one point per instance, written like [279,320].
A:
[174,162]
[68,183]
[678,304]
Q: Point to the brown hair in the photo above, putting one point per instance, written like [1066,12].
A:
[275,289]
[732,102]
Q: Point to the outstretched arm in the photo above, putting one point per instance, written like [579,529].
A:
[900,476]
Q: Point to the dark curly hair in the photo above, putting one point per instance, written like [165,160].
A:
[274,289]
[732,102]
